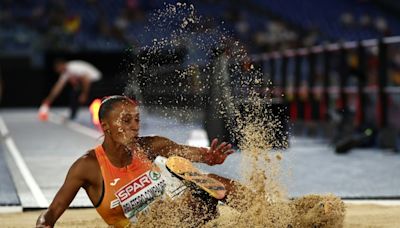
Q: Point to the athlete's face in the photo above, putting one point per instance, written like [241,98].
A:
[123,123]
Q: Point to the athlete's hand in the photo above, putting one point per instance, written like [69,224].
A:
[43,113]
[217,153]
[40,223]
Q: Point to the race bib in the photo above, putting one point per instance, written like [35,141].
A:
[139,193]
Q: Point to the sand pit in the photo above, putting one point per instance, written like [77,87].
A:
[356,216]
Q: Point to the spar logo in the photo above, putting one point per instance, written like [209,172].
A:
[154,175]
[133,187]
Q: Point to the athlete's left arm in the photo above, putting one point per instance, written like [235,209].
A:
[214,155]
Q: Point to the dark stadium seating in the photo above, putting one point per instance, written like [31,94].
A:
[326,16]
[32,25]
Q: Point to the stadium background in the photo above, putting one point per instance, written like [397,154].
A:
[334,67]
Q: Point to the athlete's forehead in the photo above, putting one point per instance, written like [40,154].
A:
[124,108]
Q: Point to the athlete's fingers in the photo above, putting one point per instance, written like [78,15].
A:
[226,147]
[228,152]
[222,145]
[214,144]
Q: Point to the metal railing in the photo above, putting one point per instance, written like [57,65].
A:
[355,75]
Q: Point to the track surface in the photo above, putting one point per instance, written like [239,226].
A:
[48,149]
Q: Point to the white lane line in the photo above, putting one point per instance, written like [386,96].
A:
[374,202]
[60,120]
[10,209]
[19,161]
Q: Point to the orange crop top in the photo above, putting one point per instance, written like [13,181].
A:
[128,190]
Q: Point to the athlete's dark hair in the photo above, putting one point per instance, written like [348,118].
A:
[107,103]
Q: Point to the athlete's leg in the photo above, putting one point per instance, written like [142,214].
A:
[231,186]
[235,192]
[74,102]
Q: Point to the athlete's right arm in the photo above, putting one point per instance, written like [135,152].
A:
[73,182]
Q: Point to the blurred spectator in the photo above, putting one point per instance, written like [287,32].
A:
[347,19]
[311,38]
[80,75]
[72,24]
[276,37]
[121,24]
[365,20]
[382,26]
[133,11]
[242,26]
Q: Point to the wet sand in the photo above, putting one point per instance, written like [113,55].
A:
[356,216]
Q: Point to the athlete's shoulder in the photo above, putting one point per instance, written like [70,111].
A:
[86,163]
[90,155]
[89,158]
